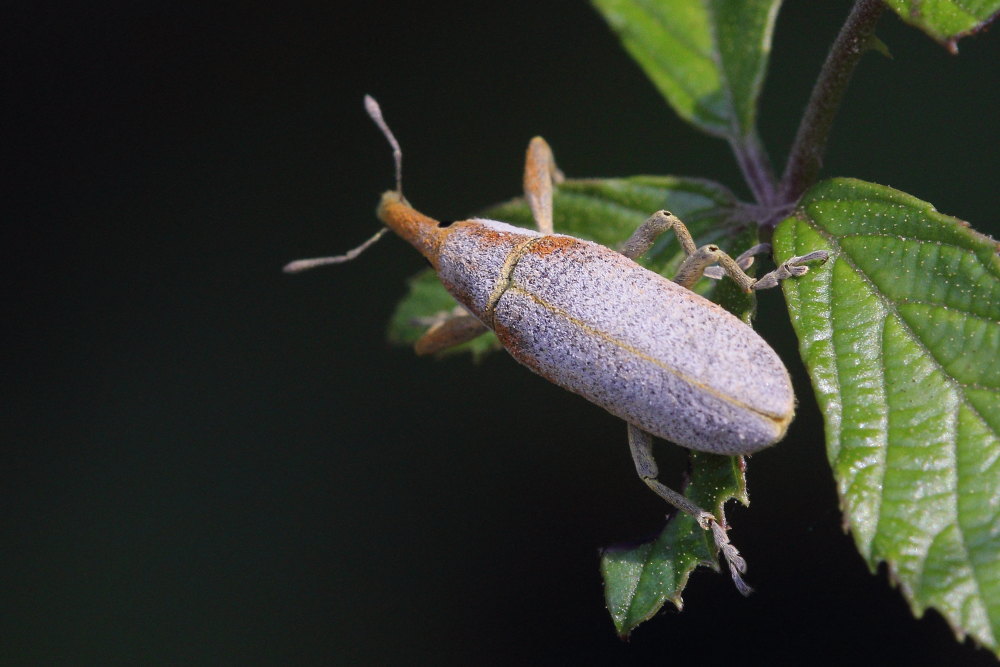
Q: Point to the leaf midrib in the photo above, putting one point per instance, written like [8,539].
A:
[959,387]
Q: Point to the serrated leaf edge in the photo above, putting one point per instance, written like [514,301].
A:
[872,559]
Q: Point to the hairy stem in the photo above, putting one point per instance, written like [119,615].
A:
[756,168]
[806,156]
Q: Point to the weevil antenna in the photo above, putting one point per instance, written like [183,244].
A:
[306,264]
[373,109]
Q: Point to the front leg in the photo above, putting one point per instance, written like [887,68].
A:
[642,239]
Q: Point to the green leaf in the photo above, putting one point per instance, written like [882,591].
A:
[606,211]
[706,57]
[640,579]
[900,332]
[947,21]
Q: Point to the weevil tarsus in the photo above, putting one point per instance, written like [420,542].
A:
[737,564]
[791,268]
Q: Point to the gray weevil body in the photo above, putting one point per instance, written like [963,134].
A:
[596,323]
[646,349]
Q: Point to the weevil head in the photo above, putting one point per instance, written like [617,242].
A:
[423,233]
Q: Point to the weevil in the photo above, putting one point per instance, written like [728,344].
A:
[667,361]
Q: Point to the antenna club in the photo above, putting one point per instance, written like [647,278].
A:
[372,107]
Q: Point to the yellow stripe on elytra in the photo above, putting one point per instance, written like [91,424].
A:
[559,312]
[506,272]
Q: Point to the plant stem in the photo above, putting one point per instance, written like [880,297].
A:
[806,156]
[756,168]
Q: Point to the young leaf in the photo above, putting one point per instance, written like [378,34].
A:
[606,211]
[900,331]
[706,57]
[947,21]
[640,579]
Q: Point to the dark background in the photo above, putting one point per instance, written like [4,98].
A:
[209,462]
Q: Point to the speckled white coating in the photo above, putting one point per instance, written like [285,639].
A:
[640,346]
[474,260]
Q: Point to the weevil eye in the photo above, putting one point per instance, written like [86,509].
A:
[446,223]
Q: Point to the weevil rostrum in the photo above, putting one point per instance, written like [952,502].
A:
[667,361]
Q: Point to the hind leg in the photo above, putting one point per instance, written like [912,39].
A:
[641,444]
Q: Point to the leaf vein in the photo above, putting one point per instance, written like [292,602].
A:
[906,301]
[956,386]
[900,237]
[891,307]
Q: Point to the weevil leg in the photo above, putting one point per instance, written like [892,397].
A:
[699,261]
[540,173]
[641,444]
[791,268]
[737,564]
[447,331]
[642,239]
[744,261]
[695,266]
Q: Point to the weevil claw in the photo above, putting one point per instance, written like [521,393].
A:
[797,271]
[737,564]
[793,267]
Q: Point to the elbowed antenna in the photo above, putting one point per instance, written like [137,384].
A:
[375,112]
[306,264]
